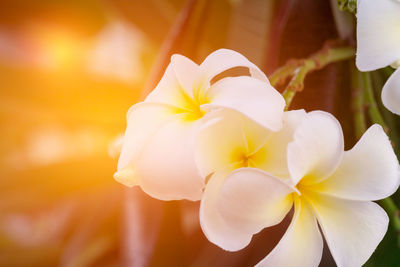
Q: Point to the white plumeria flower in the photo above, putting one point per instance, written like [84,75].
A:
[157,153]
[247,145]
[378,44]
[328,187]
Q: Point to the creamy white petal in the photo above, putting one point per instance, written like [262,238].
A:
[272,157]
[302,243]
[378,33]
[170,91]
[317,148]
[127,176]
[186,71]
[227,139]
[251,200]
[352,229]
[142,121]
[369,171]
[214,227]
[391,93]
[220,143]
[256,99]
[166,169]
[225,59]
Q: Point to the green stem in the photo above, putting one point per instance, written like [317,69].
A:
[378,81]
[373,110]
[394,214]
[298,69]
[388,204]
[288,95]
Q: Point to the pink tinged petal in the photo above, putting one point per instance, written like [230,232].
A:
[166,169]
[214,227]
[256,99]
[169,91]
[378,34]
[352,229]
[251,200]
[317,148]
[391,93]
[272,157]
[225,59]
[186,71]
[227,139]
[143,120]
[302,243]
[369,171]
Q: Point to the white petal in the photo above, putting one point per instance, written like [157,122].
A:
[302,243]
[220,143]
[170,91]
[127,176]
[378,33]
[143,120]
[226,140]
[166,169]
[272,157]
[352,229]
[187,72]
[225,59]
[369,171]
[256,99]
[391,93]
[251,200]
[317,148]
[214,227]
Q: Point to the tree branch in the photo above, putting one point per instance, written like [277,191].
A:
[298,69]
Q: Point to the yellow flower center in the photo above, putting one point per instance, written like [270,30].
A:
[307,191]
[191,106]
[246,161]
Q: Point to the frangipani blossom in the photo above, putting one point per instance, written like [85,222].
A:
[247,145]
[327,186]
[159,141]
[378,44]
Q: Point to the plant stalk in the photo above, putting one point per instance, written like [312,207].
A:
[370,101]
[387,204]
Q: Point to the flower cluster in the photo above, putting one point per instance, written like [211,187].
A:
[229,143]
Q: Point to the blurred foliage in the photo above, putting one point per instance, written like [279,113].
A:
[59,112]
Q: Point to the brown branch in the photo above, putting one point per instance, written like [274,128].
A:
[298,69]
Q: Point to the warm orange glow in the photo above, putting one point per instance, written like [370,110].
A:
[60,48]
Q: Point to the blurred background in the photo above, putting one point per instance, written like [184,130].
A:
[69,71]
